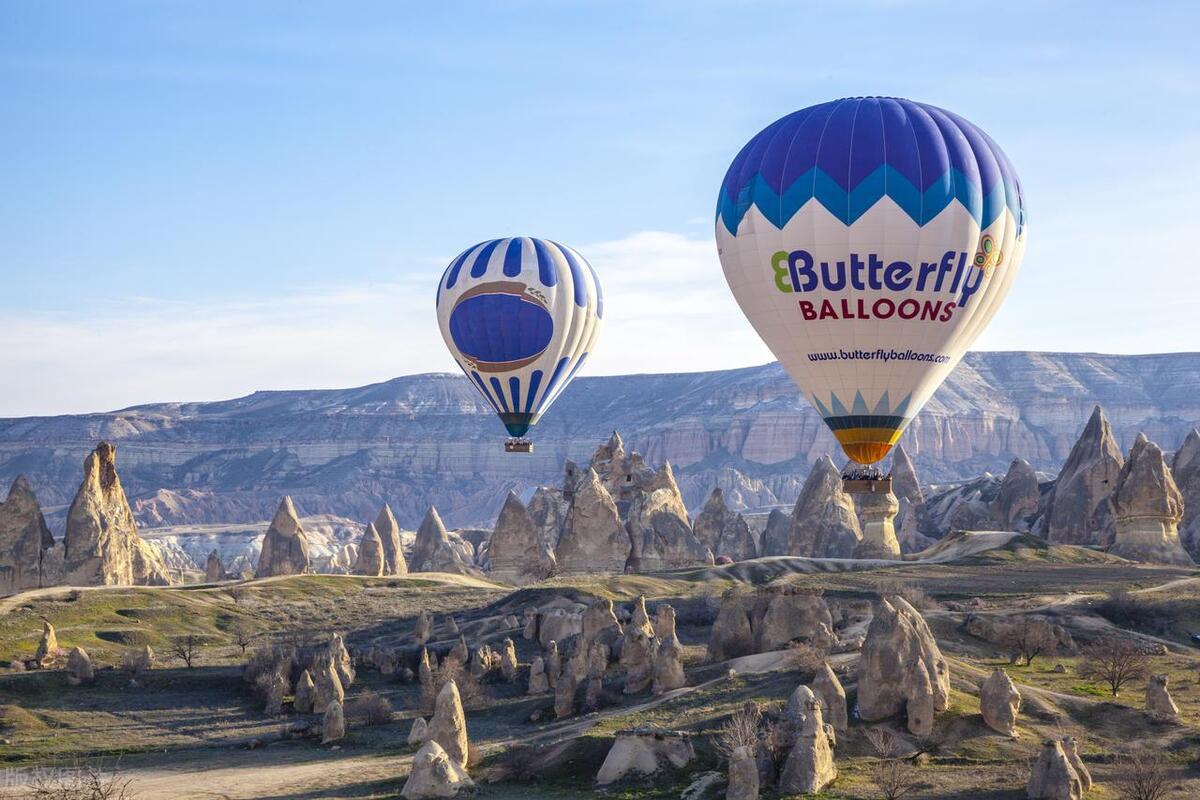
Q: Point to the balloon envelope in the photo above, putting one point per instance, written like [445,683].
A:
[869,241]
[520,317]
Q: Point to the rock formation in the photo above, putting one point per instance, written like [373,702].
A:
[1148,507]
[140,660]
[47,649]
[553,664]
[425,668]
[1016,502]
[767,619]
[1078,508]
[901,668]
[731,634]
[637,649]
[1000,702]
[564,695]
[435,773]
[423,630]
[24,540]
[907,488]
[548,510]
[776,534]
[389,537]
[809,767]
[1186,469]
[459,653]
[436,550]
[594,539]
[824,522]
[333,725]
[276,689]
[79,667]
[832,695]
[877,514]
[1053,777]
[508,661]
[644,751]
[339,656]
[1158,698]
[418,734]
[327,686]
[519,553]
[214,570]
[668,657]
[798,703]
[538,682]
[660,534]
[285,546]
[1070,746]
[743,775]
[448,726]
[302,701]
[724,532]
[372,560]
[101,544]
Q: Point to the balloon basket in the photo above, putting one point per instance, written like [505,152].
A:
[518,446]
[862,479]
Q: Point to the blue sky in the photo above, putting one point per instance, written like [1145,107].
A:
[198,200]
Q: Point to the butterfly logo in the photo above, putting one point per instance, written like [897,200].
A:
[988,257]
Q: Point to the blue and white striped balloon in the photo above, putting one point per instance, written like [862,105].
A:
[520,317]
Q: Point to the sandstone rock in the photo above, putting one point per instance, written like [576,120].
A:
[538,682]
[436,550]
[553,664]
[809,767]
[1079,508]
[302,701]
[637,649]
[519,554]
[731,634]
[593,696]
[419,733]
[743,775]
[776,534]
[451,626]
[564,695]
[901,668]
[1000,702]
[824,522]
[1186,469]
[558,625]
[644,751]
[340,658]
[1070,746]
[425,668]
[424,627]
[724,532]
[1148,507]
[101,544]
[508,661]
[448,727]
[832,695]
[327,687]
[214,570]
[24,540]
[668,666]
[798,704]
[1053,777]
[275,693]
[529,628]
[47,649]
[782,616]
[1158,698]
[141,660]
[659,530]
[877,513]
[333,725]
[389,537]
[548,510]
[371,560]
[1017,500]
[905,484]
[594,539]
[79,667]
[435,773]
[459,653]
[285,547]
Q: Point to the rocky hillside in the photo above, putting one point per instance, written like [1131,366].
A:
[429,439]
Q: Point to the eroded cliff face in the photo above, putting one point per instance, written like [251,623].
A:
[430,440]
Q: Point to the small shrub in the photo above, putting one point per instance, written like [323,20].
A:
[471,691]
[369,708]
[740,730]
[86,782]
[805,657]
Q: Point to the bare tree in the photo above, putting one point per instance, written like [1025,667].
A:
[187,648]
[895,777]
[1114,660]
[740,730]
[1142,775]
[82,782]
[1030,637]
[244,635]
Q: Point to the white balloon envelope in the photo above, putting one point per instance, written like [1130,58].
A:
[869,241]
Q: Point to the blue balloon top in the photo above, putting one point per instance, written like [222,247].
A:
[848,154]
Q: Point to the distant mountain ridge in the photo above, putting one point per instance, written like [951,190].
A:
[430,439]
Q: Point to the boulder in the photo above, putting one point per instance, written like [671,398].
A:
[660,533]
[24,540]
[832,695]
[518,552]
[371,561]
[437,550]
[214,570]
[731,634]
[101,543]
[824,521]
[47,649]
[724,532]
[743,775]
[388,530]
[1017,500]
[809,767]
[1148,507]
[1186,469]
[508,661]
[1070,746]
[418,734]
[798,704]
[79,667]
[877,513]
[1078,507]
[901,668]
[302,701]
[435,773]
[776,534]
[644,751]
[784,615]
[448,726]
[538,682]
[1158,698]
[285,546]
[594,539]
[668,666]
[327,687]
[333,725]
[1053,777]
[1000,702]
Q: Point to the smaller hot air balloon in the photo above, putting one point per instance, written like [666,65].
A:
[520,317]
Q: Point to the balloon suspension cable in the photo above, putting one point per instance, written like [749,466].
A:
[518,445]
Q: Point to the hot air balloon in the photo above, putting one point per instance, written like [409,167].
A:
[520,317]
[869,241]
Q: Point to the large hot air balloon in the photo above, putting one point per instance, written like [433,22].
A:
[520,317]
[869,241]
